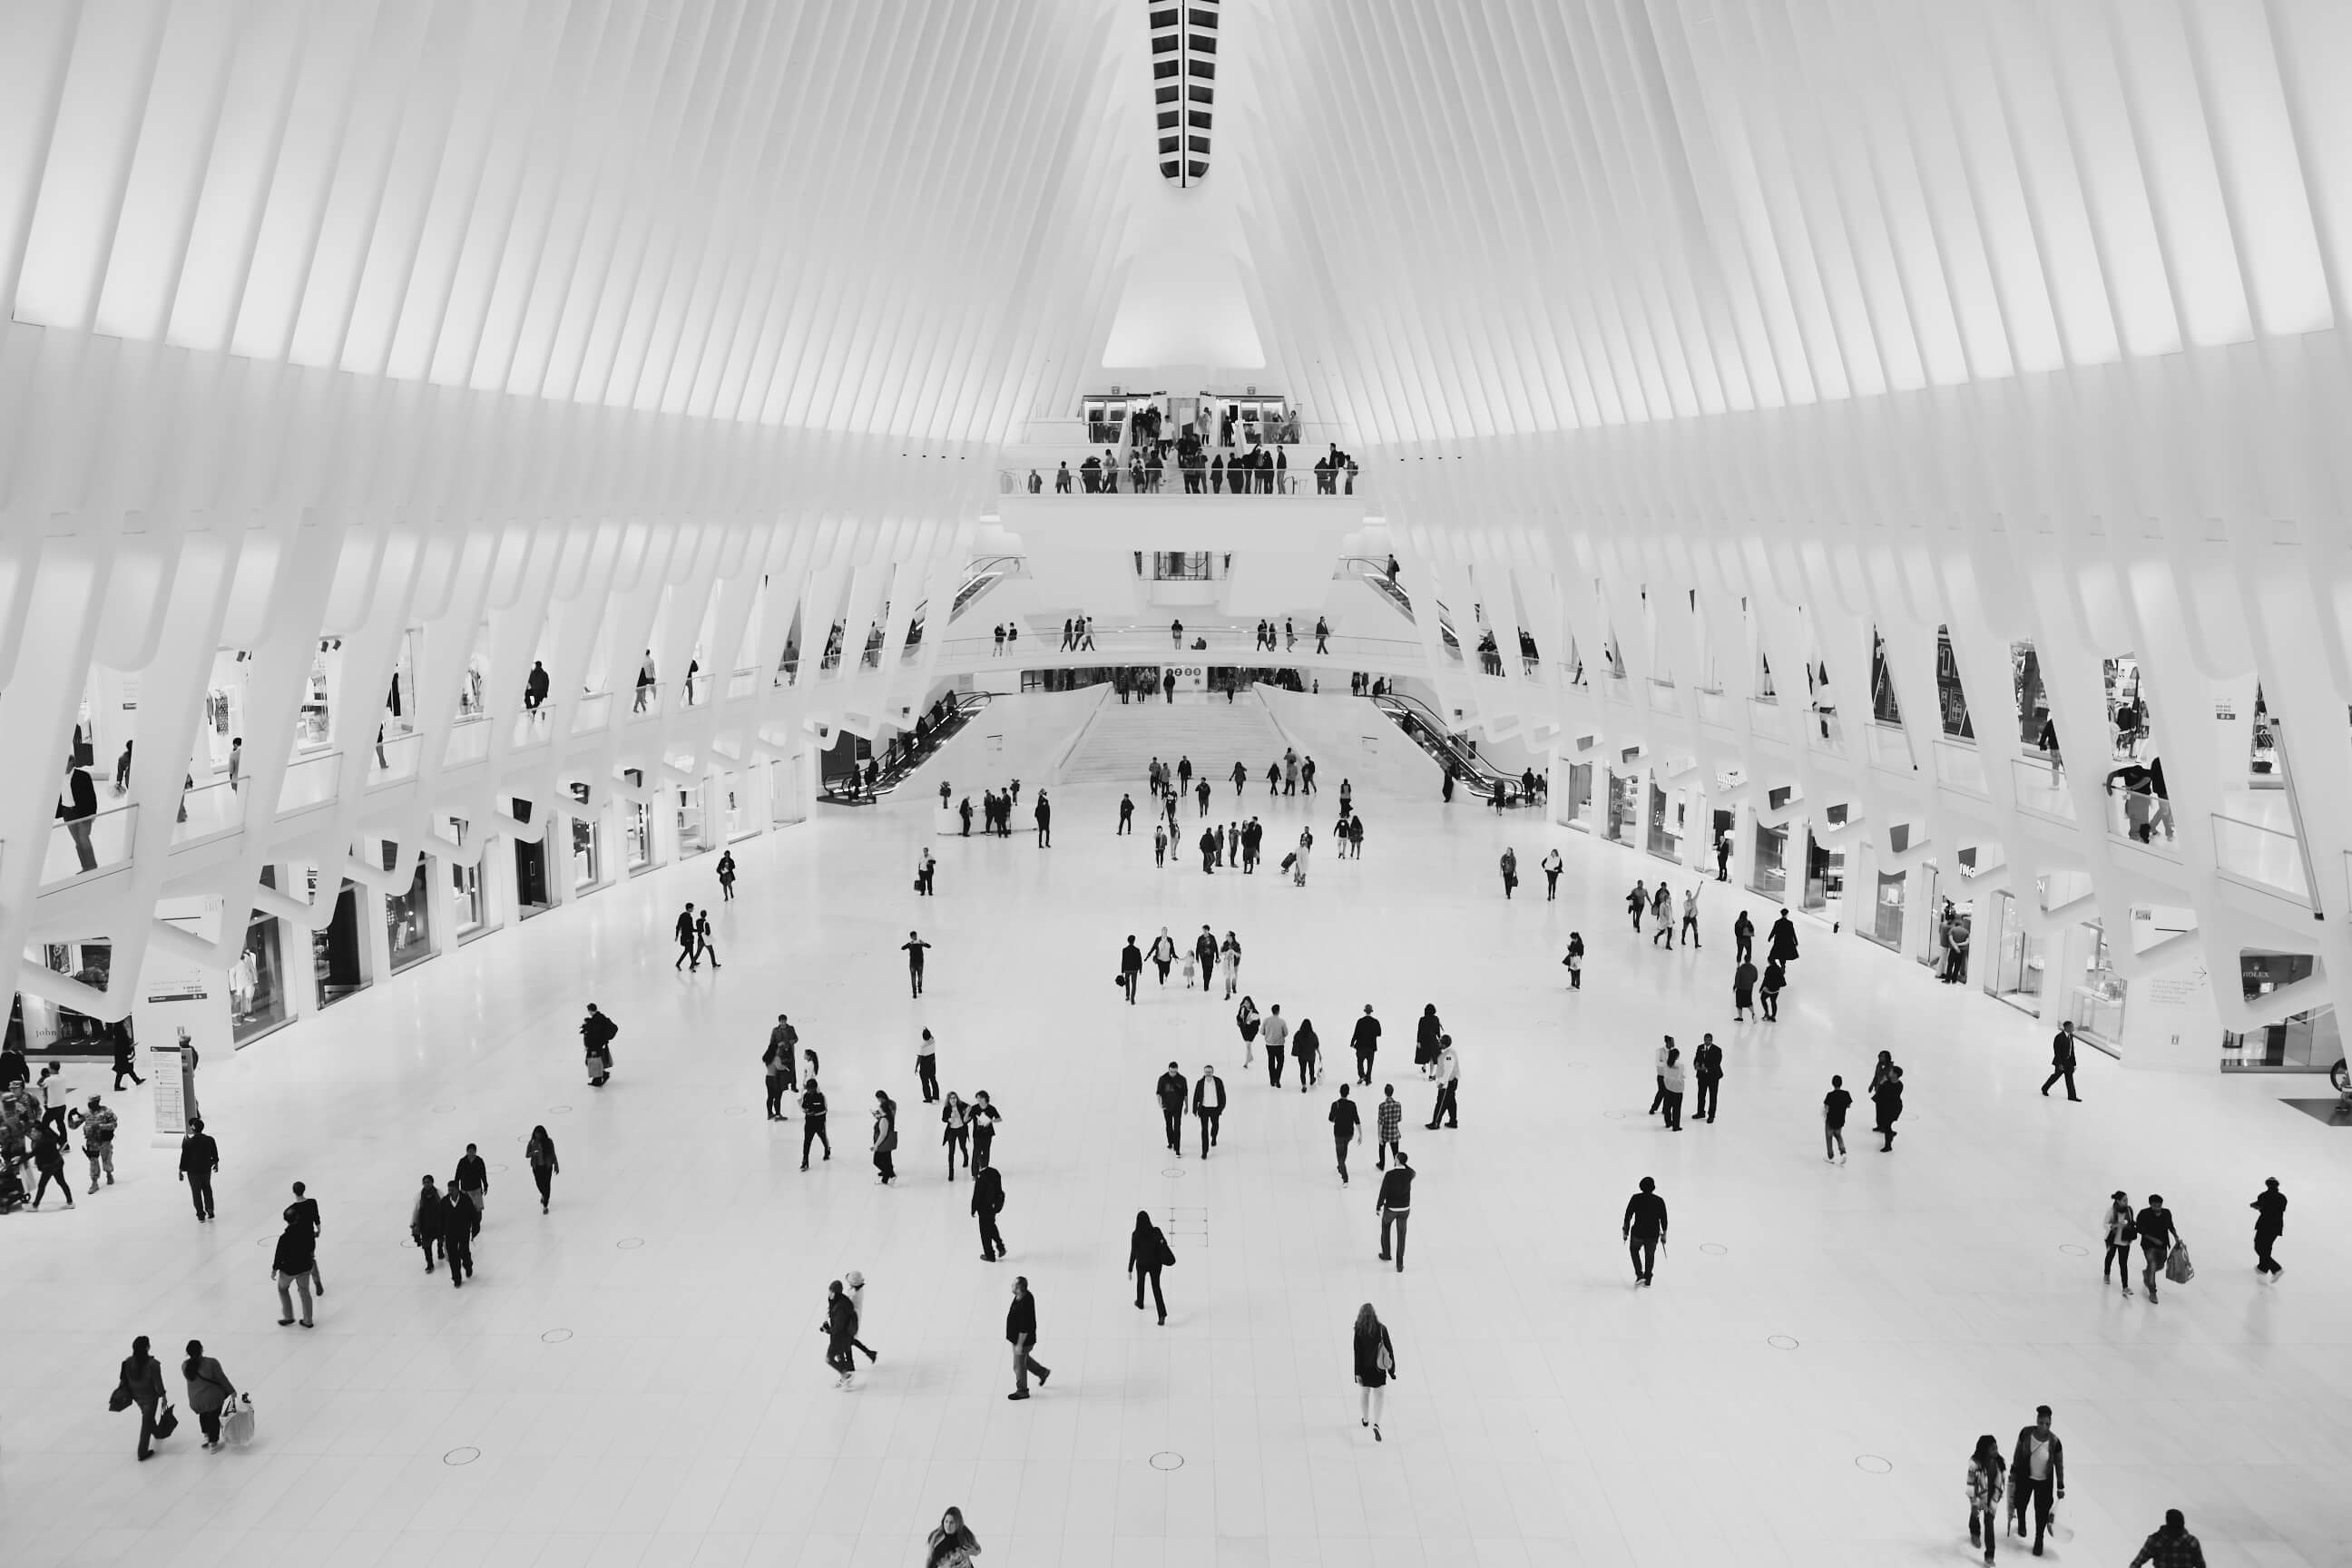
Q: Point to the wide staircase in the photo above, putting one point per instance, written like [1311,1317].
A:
[1121,739]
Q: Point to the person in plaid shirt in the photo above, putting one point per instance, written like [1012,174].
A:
[1391,1120]
[2172,1547]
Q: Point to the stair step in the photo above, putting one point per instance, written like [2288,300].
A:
[1119,744]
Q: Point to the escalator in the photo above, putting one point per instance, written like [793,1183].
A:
[1375,574]
[1452,752]
[904,754]
[984,573]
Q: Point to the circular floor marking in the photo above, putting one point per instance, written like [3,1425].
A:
[1167,1459]
[1872,1464]
[1174,1171]
[461,1455]
[2073,1249]
[498,1170]
[1614,1115]
[630,1243]
[554,1336]
[1712,1249]
[443,1109]
[558,1110]
[738,1110]
[1782,1342]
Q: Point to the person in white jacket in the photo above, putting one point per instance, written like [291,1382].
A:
[1449,1084]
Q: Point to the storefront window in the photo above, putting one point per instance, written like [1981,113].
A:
[1825,875]
[1666,823]
[690,820]
[637,834]
[465,896]
[257,982]
[587,861]
[2307,1042]
[338,956]
[317,727]
[409,921]
[1951,699]
[2016,973]
[2098,1001]
[1770,877]
[1579,793]
[1624,807]
[1885,926]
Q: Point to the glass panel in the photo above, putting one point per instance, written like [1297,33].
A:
[2041,788]
[311,782]
[256,981]
[469,741]
[1886,914]
[1770,875]
[2263,857]
[99,842]
[207,810]
[409,921]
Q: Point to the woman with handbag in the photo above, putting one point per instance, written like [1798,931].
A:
[1148,1253]
[143,1384]
[885,1136]
[1986,1471]
[1425,1038]
[208,1390]
[2120,1234]
[957,1121]
[1375,1365]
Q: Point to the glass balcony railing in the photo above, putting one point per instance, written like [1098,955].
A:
[595,713]
[2261,857]
[1764,716]
[312,781]
[2142,818]
[469,740]
[90,848]
[1241,483]
[742,683]
[395,757]
[1889,747]
[532,726]
[2040,788]
[208,810]
[1958,766]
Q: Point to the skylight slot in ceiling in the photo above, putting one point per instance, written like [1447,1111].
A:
[1183,84]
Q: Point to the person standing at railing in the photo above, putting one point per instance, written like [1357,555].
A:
[76,807]
[1062,478]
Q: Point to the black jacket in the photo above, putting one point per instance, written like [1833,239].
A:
[1173,1089]
[1646,1217]
[1396,1188]
[987,1191]
[1368,1034]
[198,1152]
[1130,960]
[81,799]
[1201,1097]
[1020,1320]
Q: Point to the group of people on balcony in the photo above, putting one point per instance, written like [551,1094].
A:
[1258,470]
[1490,653]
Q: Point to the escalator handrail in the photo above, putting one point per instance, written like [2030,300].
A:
[1418,719]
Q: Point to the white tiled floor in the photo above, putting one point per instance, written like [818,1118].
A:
[1549,1413]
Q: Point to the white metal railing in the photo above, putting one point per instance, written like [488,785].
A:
[1238,483]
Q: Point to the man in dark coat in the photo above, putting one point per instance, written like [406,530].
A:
[987,1203]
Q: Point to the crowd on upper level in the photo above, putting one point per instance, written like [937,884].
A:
[1260,470]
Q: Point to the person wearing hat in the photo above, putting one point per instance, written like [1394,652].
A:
[2269,1206]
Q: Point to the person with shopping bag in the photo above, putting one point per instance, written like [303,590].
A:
[209,1392]
[2158,1239]
[141,1384]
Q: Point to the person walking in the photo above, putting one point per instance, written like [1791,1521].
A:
[1394,1206]
[927,872]
[1230,950]
[1658,1073]
[1671,1081]
[2061,1060]
[1365,1044]
[1164,954]
[1886,1094]
[2118,1231]
[2037,1475]
[199,1158]
[1298,858]
[1130,968]
[209,1390]
[460,1223]
[1510,872]
[1021,1334]
[727,876]
[684,931]
[777,1061]
[1306,1050]
[1426,1032]
[473,1179]
[303,1212]
[1575,960]
[1690,915]
[97,1128]
[1637,904]
[1644,1230]
[1661,916]
[983,1118]
[1706,1063]
[2172,1546]
[852,1286]
[1042,815]
[141,1384]
[539,1153]
[1551,866]
[1388,1126]
[1148,1253]
[290,1267]
[1246,1021]
[840,1331]
[1447,1107]
[1782,949]
[703,946]
[126,1061]
[955,1132]
[1208,1106]
[597,1032]
[1834,1105]
[425,1221]
[927,1067]
[953,1544]
[1986,1475]
[1126,814]
[1205,950]
[1743,938]
[2269,1224]
[884,1142]
[1347,1120]
[1375,1360]
[987,1203]
[48,1153]
[1172,1091]
[1278,1041]
[813,1115]
[2157,1234]
[1743,991]
[1775,980]
[915,947]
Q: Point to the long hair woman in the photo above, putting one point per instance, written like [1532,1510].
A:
[1245,1019]
[953,1544]
[1147,1253]
[1375,1365]
[885,1136]
[957,1122]
[541,1154]
[1984,1481]
[209,1390]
